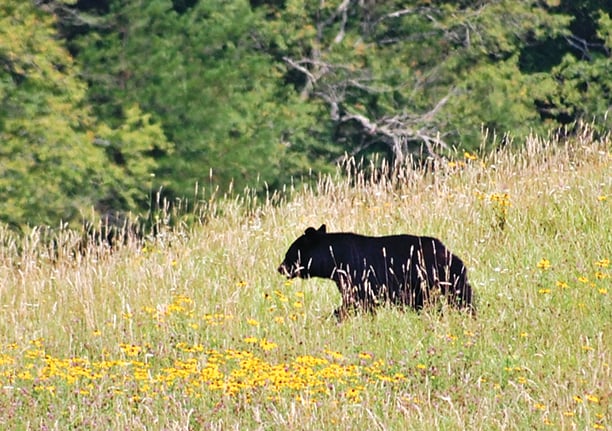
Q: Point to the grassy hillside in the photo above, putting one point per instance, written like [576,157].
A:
[198,330]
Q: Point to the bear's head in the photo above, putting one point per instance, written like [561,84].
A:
[304,257]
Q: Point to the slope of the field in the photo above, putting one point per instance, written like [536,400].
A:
[197,330]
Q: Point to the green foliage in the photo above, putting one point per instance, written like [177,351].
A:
[45,153]
[435,73]
[394,71]
[129,148]
[605,28]
[106,102]
[53,166]
[505,102]
[220,99]
[584,87]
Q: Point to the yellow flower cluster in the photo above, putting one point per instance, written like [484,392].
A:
[467,158]
[191,369]
[499,202]
[228,372]
[600,274]
[543,264]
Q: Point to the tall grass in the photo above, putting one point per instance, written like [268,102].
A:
[196,330]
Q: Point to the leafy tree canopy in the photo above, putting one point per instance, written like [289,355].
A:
[204,76]
[417,74]
[104,102]
[57,161]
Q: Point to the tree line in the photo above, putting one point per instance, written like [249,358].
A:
[105,103]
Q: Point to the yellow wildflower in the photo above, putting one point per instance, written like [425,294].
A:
[539,406]
[543,264]
[469,156]
[267,345]
[593,398]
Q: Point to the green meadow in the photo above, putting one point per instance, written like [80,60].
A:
[195,329]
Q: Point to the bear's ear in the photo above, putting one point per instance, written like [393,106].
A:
[310,232]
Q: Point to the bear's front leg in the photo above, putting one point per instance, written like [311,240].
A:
[341,313]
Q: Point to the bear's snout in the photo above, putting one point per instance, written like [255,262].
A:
[286,271]
[283,270]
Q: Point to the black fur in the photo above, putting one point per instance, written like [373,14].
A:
[405,270]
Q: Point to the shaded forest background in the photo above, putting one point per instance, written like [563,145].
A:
[105,103]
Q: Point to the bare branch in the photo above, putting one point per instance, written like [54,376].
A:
[429,115]
[580,44]
[332,83]
[333,101]
[367,88]
[297,65]
[396,14]
[367,124]
[312,78]
[399,129]
[342,10]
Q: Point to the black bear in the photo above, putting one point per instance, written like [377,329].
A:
[405,270]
